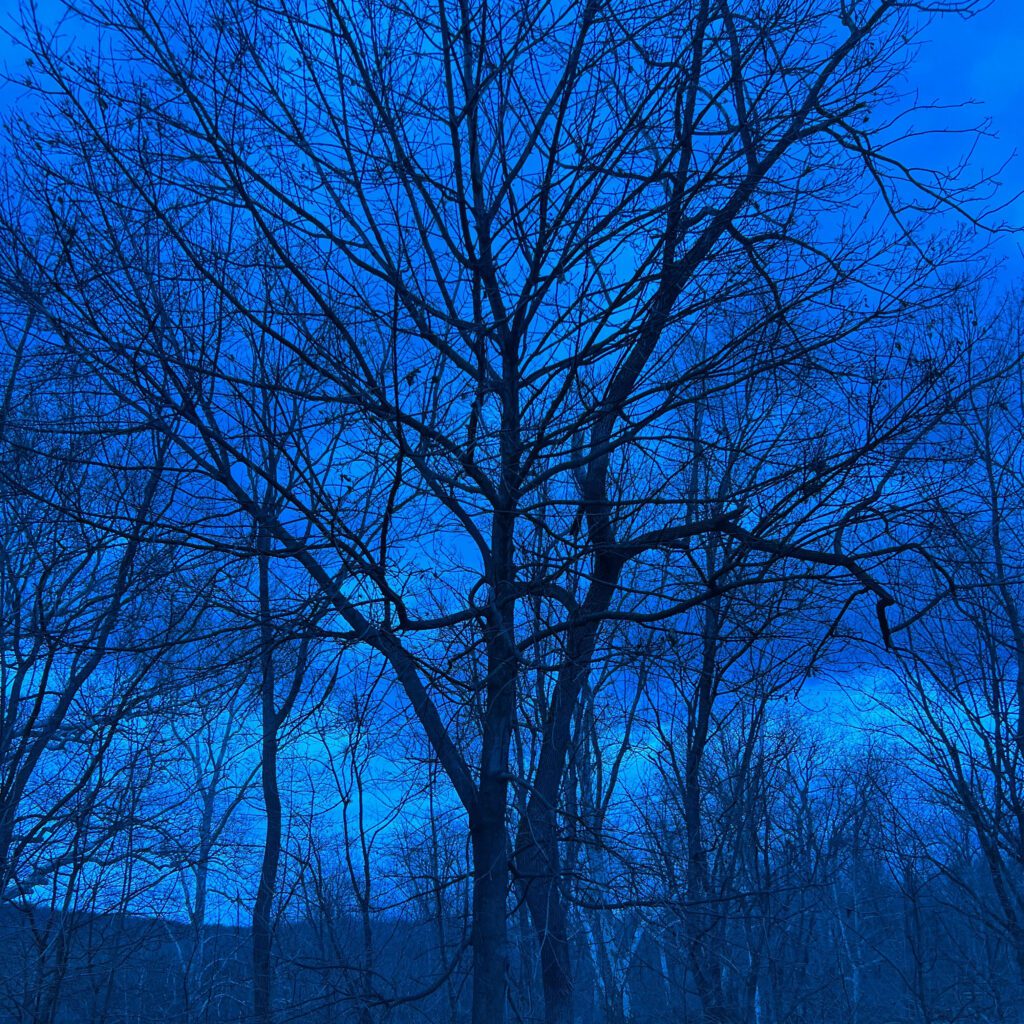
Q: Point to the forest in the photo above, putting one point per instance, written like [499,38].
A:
[509,512]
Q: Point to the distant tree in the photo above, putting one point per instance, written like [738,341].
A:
[77,566]
[960,702]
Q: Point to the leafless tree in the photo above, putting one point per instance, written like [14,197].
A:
[444,302]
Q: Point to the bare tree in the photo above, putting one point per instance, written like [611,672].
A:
[473,273]
[962,671]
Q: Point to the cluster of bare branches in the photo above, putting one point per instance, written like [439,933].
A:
[440,444]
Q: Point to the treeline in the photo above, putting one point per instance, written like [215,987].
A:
[510,511]
[825,900]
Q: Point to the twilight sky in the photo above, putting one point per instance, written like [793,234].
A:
[982,59]
[979,59]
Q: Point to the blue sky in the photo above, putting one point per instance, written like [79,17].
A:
[979,59]
[982,60]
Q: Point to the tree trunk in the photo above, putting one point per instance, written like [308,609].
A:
[538,858]
[490,887]
[262,971]
[550,921]
[488,831]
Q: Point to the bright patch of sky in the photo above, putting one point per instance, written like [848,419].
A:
[977,61]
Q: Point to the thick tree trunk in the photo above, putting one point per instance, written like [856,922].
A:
[488,830]
[550,920]
[538,866]
[538,857]
[490,889]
